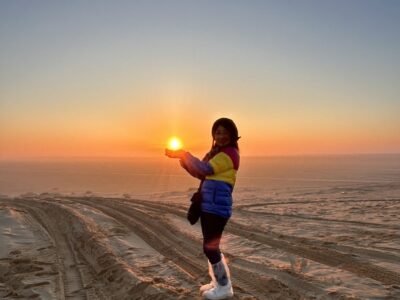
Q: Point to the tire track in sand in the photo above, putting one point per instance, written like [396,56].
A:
[347,201]
[71,284]
[314,251]
[370,224]
[320,254]
[111,278]
[186,253]
[180,210]
[256,275]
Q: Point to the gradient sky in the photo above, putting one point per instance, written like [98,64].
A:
[118,78]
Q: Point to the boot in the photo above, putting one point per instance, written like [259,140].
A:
[213,282]
[223,288]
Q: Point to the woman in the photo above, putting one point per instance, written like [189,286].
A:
[218,170]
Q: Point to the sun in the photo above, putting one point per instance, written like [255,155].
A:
[174,143]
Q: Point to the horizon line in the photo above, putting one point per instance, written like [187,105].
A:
[71,157]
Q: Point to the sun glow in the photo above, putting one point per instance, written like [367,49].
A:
[174,143]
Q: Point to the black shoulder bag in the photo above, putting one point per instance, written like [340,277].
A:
[194,211]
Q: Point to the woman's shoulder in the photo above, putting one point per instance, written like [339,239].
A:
[234,155]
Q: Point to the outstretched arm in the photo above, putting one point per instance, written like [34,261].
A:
[190,171]
[193,165]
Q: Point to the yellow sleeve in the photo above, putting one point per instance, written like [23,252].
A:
[221,163]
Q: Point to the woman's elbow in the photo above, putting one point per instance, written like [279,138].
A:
[207,171]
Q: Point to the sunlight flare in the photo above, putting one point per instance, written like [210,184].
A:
[174,143]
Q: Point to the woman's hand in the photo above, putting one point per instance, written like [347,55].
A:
[174,153]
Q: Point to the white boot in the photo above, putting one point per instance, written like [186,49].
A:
[219,292]
[213,282]
[223,288]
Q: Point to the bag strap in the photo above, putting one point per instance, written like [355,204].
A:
[201,184]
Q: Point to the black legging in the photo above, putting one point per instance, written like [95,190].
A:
[212,227]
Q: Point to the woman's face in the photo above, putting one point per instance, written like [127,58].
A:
[221,136]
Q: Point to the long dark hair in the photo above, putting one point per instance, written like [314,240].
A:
[230,126]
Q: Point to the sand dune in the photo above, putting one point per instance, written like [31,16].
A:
[55,247]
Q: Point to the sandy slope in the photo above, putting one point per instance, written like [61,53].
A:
[55,246]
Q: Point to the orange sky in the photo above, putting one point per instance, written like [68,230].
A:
[147,136]
[310,82]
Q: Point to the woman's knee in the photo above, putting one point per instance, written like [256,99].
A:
[212,252]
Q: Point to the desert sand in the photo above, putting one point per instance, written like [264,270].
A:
[56,246]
